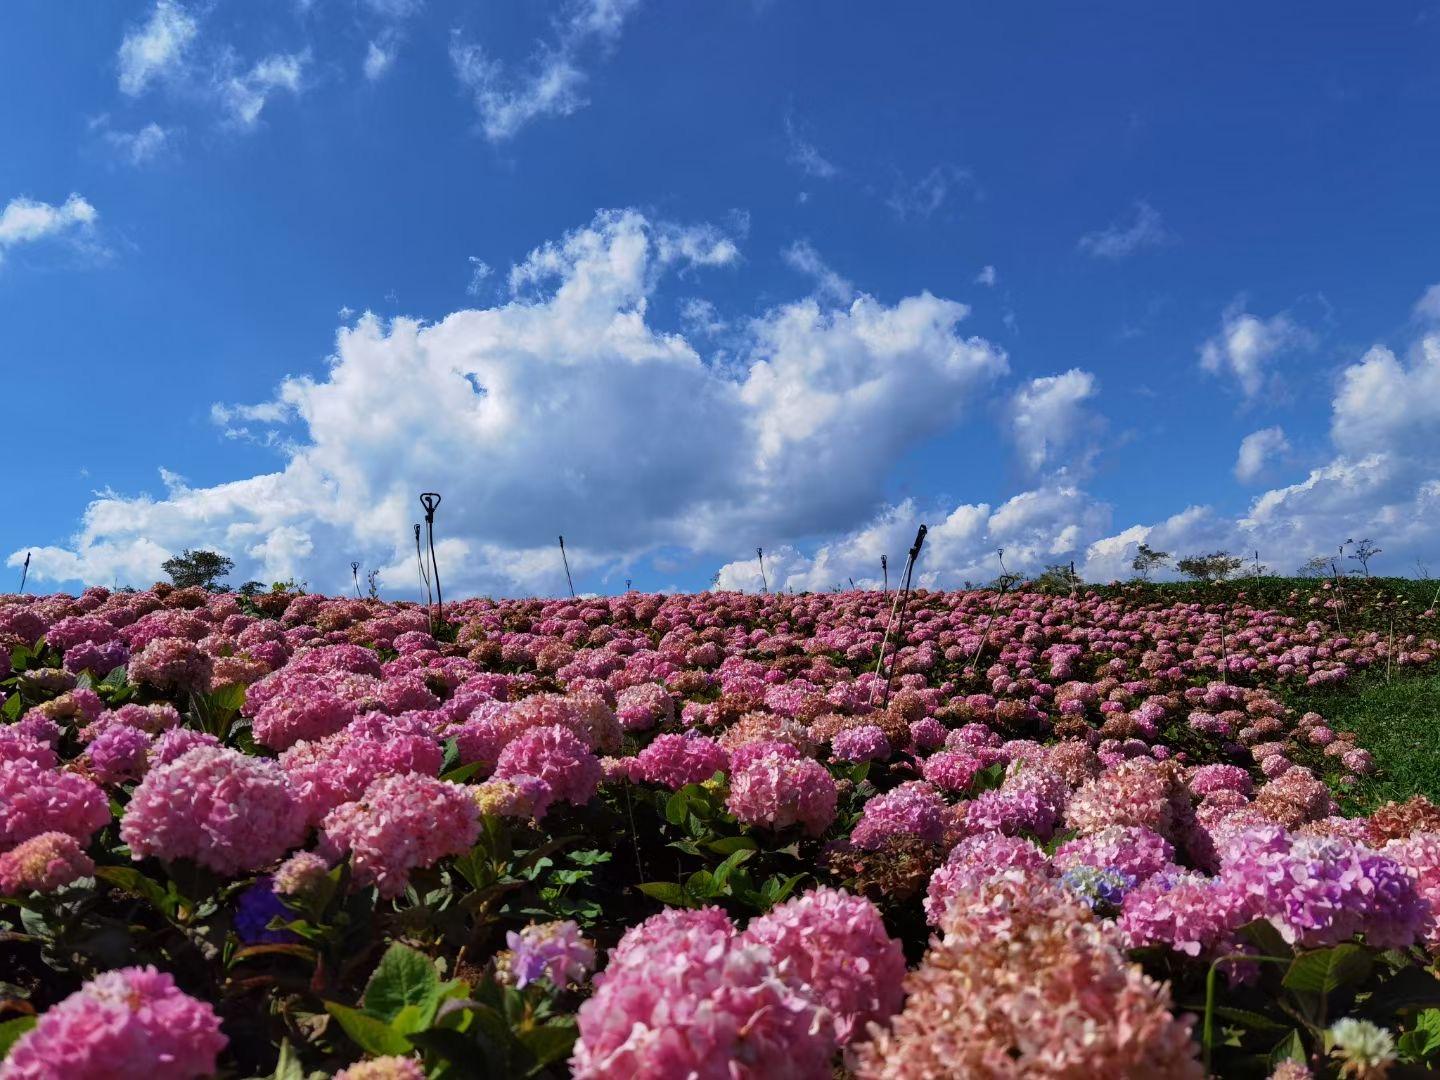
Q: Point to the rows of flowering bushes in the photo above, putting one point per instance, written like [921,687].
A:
[697,836]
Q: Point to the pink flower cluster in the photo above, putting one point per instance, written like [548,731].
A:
[402,823]
[687,994]
[773,786]
[216,807]
[128,1024]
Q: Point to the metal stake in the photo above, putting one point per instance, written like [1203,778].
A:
[25,571]
[568,580]
[901,598]
[430,500]
[764,585]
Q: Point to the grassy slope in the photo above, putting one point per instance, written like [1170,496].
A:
[1398,722]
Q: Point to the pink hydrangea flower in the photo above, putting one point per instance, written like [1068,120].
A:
[676,760]
[217,807]
[35,800]
[555,950]
[402,823]
[912,809]
[128,1024]
[867,742]
[43,864]
[388,1067]
[556,755]
[119,753]
[837,945]
[691,998]
[775,790]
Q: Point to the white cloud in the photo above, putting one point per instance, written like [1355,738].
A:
[921,198]
[139,147]
[1120,238]
[563,410]
[1256,451]
[554,82]
[1427,308]
[1035,529]
[987,276]
[1247,344]
[805,155]
[245,94]
[701,317]
[27,221]
[1383,480]
[480,272]
[1049,418]
[802,256]
[157,49]
[379,57]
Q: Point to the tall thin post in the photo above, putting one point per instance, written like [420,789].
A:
[24,571]
[885,573]
[424,570]
[760,555]
[901,598]
[430,500]
[355,576]
[566,561]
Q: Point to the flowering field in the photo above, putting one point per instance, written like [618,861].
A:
[696,836]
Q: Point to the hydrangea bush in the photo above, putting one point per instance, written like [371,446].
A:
[698,836]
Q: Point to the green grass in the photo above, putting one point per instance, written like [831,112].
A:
[1397,721]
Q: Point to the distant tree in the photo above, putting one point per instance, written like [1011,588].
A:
[251,588]
[1317,566]
[1005,582]
[372,584]
[202,568]
[1058,577]
[1148,559]
[1365,550]
[1210,568]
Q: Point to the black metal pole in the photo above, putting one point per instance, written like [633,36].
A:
[355,576]
[885,573]
[25,571]
[424,573]
[564,559]
[430,500]
[901,599]
[764,584]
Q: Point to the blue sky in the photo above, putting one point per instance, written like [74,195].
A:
[788,274]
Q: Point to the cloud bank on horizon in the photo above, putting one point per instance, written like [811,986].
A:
[563,409]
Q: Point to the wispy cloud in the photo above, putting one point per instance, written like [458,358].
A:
[135,147]
[245,94]
[1247,344]
[553,84]
[1120,239]
[805,155]
[803,257]
[923,197]
[157,49]
[987,276]
[28,221]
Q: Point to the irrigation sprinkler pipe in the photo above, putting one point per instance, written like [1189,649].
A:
[898,606]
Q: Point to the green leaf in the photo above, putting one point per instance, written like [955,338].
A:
[702,885]
[403,977]
[84,681]
[1411,989]
[133,881]
[549,1043]
[728,845]
[11,1030]
[677,807]
[116,678]
[667,892]
[1325,970]
[371,1034]
[229,698]
[288,1067]
[1423,1039]
[726,868]
[461,773]
[11,708]
[1262,934]
[1290,1048]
